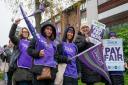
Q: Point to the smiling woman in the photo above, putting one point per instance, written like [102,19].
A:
[5,23]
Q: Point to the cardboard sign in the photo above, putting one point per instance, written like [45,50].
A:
[97,30]
[113,54]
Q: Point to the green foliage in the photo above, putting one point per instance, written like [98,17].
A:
[122,32]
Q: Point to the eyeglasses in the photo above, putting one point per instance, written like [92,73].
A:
[25,32]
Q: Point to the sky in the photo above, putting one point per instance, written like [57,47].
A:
[5,23]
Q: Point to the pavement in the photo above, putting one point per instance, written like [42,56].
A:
[2,82]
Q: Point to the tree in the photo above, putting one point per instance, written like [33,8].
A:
[52,7]
[122,32]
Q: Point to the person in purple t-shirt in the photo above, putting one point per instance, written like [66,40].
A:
[22,75]
[66,50]
[43,52]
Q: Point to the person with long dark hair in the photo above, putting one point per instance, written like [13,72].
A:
[66,50]
[43,52]
[22,75]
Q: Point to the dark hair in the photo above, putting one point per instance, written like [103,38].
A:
[112,34]
[53,36]
[5,46]
[65,33]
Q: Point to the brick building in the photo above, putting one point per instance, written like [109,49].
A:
[110,12]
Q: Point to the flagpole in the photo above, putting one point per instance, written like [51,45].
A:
[38,11]
[85,51]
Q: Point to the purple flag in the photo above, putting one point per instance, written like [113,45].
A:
[42,7]
[31,27]
[40,10]
[93,59]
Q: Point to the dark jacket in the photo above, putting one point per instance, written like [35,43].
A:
[87,75]
[13,61]
[60,58]
[33,52]
[59,53]
[12,36]
[15,40]
[6,55]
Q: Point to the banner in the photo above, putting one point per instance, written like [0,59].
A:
[31,28]
[40,10]
[93,59]
[97,30]
[113,54]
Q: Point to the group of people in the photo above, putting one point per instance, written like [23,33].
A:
[35,63]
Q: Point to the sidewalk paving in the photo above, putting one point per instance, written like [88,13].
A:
[2,82]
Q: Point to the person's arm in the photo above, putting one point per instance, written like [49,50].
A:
[59,55]
[80,42]
[32,50]
[12,32]
[94,41]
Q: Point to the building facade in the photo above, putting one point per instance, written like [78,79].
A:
[110,12]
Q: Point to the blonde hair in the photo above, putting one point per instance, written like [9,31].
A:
[85,26]
[21,32]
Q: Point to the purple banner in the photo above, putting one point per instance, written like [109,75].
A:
[31,27]
[93,58]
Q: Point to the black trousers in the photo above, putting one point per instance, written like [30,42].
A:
[24,83]
[42,82]
[116,80]
[70,81]
[10,74]
[90,83]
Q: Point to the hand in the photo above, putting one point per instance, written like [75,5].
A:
[41,53]
[17,21]
[86,35]
[69,61]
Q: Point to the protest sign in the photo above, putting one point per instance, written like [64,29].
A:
[97,30]
[113,54]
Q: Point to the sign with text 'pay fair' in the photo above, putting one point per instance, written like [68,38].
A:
[113,54]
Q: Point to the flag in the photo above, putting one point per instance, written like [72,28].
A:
[93,59]
[31,27]
[40,10]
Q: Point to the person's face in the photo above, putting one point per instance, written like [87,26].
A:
[69,35]
[10,44]
[84,30]
[113,37]
[25,33]
[48,31]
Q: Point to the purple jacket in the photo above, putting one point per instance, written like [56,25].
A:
[49,50]
[70,50]
[24,60]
